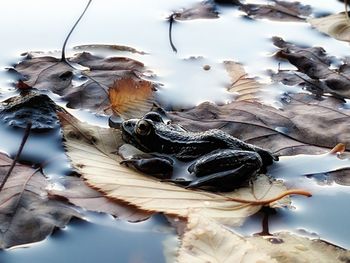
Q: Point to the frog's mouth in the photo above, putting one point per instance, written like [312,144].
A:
[129,136]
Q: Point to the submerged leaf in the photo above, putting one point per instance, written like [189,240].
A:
[27,214]
[101,169]
[336,26]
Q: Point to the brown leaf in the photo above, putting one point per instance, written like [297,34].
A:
[246,88]
[102,47]
[102,170]
[131,98]
[280,11]
[299,127]
[27,214]
[49,73]
[314,70]
[79,194]
[205,9]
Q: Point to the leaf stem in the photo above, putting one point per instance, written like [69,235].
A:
[268,201]
[24,140]
[171,22]
[63,57]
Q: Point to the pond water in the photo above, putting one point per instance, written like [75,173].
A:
[40,25]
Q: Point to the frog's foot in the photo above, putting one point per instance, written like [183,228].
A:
[160,167]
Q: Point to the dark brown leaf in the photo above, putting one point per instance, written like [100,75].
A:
[314,70]
[280,11]
[26,213]
[303,125]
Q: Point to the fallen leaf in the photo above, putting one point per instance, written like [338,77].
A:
[91,84]
[91,148]
[245,87]
[285,247]
[279,10]
[205,9]
[32,107]
[336,26]
[314,70]
[75,190]
[207,241]
[131,98]
[302,125]
[27,214]
[103,47]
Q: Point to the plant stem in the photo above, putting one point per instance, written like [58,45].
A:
[24,140]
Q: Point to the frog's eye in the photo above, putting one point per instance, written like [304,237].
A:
[143,127]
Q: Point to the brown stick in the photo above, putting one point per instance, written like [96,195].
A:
[268,201]
[24,140]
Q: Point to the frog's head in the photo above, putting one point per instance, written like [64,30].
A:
[142,132]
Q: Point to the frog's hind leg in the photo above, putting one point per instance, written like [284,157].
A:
[222,181]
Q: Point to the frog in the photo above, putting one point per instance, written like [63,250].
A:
[218,159]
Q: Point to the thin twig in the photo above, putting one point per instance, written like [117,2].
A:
[63,57]
[24,140]
[171,21]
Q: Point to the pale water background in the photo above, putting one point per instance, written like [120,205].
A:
[39,25]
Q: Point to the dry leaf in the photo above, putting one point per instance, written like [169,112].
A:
[90,150]
[27,214]
[205,9]
[78,193]
[131,98]
[246,88]
[315,71]
[288,248]
[298,127]
[336,26]
[279,10]
[91,92]
[207,241]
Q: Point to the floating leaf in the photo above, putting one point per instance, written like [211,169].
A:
[246,88]
[336,26]
[279,10]
[95,79]
[91,151]
[108,47]
[131,98]
[298,127]
[75,190]
[32,107]
[205,9]
[314,70]
[27,214]
[206,241]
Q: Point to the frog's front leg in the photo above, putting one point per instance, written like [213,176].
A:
[157,166]
[225,169]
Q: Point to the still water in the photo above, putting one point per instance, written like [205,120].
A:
[40,25]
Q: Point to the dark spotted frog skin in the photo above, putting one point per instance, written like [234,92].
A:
[220,160]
